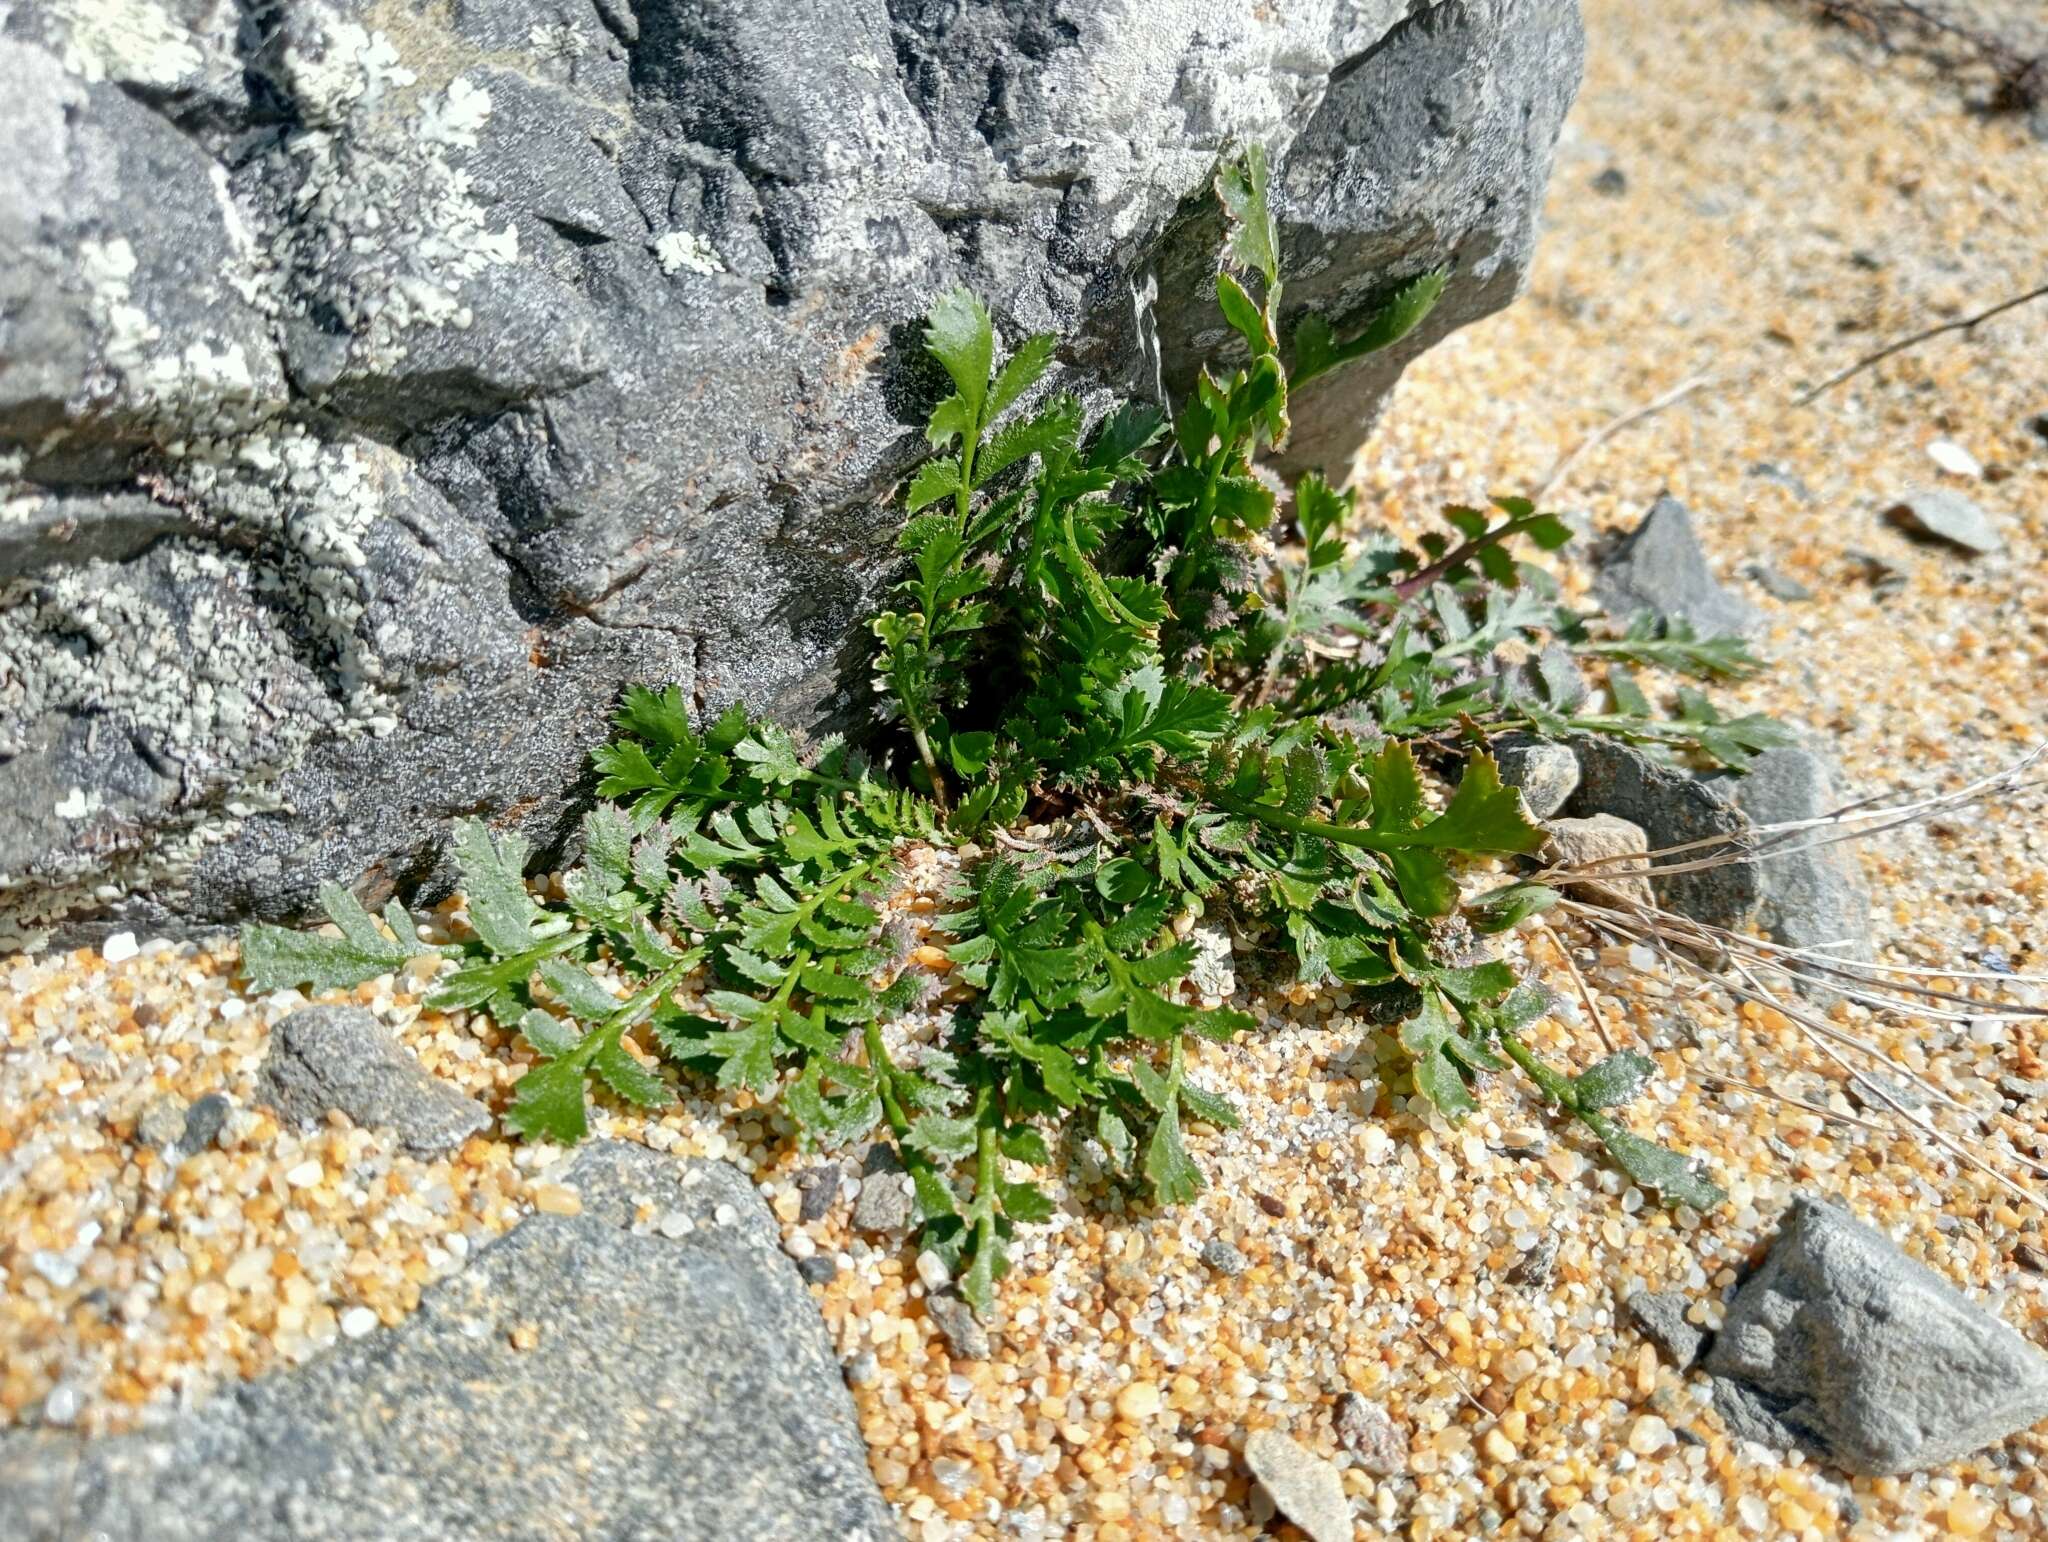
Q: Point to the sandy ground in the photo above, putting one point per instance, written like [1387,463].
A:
[1780,209]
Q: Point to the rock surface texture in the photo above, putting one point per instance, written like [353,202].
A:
[681,1389]
[383,386]
[1842,1344]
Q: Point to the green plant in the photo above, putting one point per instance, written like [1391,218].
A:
[1206,726]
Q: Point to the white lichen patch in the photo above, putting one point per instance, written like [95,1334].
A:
[135,41]
[684,251]
[386,230]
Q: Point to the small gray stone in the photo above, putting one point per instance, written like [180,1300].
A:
[1778,476]
[1533,1269]
[1304,1487]
[1545,772]
[342,1058]
[1936,514]
[1660,567]
[885,1202]
[204,1121]
[1672,807]
[1597,838]
[1612,181]
[1370,1434]
[706,1349]
[1876,1093]
[1661,1316]
[1870,1360]
[817,1269]
[162,1122]
[1816,897]
[962,1330]
[2024,1089]
[820,1189]
[1777,585]
[1224,1258]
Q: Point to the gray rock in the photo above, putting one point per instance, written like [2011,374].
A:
[1672,807]
[204,1121]
[1532,1271]
[2024,1089]
[1660,567]
[820,1189]
[1545,772]
[1779,586]
[1226,1259]
[962,1330]
[886,1200]
[1778,476]
[386,386]
[1876,1093]
[1304,1487]
[1601,838]
[680,1389]
[341,1058]
[1936,514]
[1870,1360]
[817,1269]
[1370,1434]
[162,1122]
[1661,1316]
[1817,897]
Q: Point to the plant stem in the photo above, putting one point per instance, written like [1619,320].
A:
[984,1174]
[924,753]
[885,1077]
[1416,582]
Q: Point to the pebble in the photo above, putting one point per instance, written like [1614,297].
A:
[1648,1435]
[1304,1487]
[932,1270]
[1369,1433]
[1225,1259]
[962,1330]
[1953,458]
[1138,1402]
[162,1123]
[120,947]
[357,1321]
[556,1199]
[1936,514]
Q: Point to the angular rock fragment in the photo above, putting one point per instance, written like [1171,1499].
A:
[331,1058]
[1661,1316]
[1545,772]
[885,1202]
[1304,1487]
[1661,568]
[1936,514]
[1870,1360]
